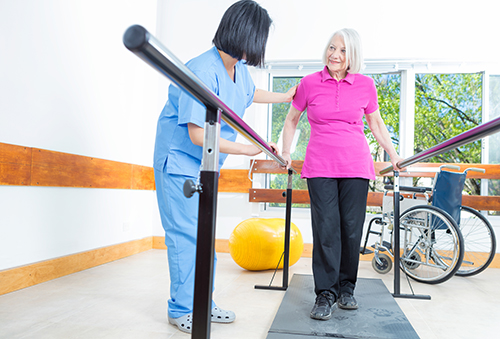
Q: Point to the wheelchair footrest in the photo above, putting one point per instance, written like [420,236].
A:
[365,251]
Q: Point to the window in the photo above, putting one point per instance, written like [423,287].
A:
[447,105]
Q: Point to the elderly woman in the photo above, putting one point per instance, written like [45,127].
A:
[338,165]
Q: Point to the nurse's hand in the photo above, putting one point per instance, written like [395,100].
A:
[275,148]
[252,150]
[290,94]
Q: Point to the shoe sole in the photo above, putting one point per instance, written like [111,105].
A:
[222,321]
[345,307]
[326,317]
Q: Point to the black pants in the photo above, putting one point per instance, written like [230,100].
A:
[338,208]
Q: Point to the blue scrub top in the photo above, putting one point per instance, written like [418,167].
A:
[173,147]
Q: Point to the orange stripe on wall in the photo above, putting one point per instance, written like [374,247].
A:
[25,166]
[15,165]
[37,167]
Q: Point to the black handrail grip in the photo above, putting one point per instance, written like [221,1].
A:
[135,37]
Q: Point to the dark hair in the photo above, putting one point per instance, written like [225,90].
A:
[243,31]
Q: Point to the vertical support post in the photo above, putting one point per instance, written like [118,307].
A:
[288,217]
[397,282]
[286,250]
[396,246]
[207,212]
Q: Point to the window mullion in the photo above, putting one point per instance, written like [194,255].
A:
[485,107]
[407,118]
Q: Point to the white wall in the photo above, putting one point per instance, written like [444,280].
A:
[438,29]
[68,84]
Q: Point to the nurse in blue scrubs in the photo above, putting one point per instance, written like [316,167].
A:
[239,41]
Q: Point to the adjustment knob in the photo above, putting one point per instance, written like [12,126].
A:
[190,188]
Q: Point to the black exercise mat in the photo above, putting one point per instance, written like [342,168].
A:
[378,316]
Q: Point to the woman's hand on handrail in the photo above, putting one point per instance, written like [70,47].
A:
[286,156]
[395,158]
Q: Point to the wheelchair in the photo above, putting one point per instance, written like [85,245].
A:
[438,236]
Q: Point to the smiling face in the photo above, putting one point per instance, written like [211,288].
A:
[336,59]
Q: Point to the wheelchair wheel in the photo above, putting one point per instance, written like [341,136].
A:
[386,263]
[479,242]
[413,261]
[431,244]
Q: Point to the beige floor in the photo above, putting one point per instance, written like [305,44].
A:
[126,299]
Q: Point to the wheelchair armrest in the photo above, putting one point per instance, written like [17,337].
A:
[409,188]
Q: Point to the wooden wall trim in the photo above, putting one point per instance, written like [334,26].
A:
[26,166]
[21,277]
[15,165]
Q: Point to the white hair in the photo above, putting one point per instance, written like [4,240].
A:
[354,49]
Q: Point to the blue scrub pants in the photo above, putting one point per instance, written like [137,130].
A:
[179,217]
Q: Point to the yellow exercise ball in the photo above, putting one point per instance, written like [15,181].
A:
[257,243]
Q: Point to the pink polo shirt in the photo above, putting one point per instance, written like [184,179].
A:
[337,147]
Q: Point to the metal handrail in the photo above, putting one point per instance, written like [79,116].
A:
[139,41]
[476,133]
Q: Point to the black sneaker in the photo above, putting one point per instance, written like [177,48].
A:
[323,307]
[347,302]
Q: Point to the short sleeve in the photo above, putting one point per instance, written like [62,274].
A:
[190,110]
[300,99]
[372,98]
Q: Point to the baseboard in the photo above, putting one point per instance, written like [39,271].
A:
[21,277]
